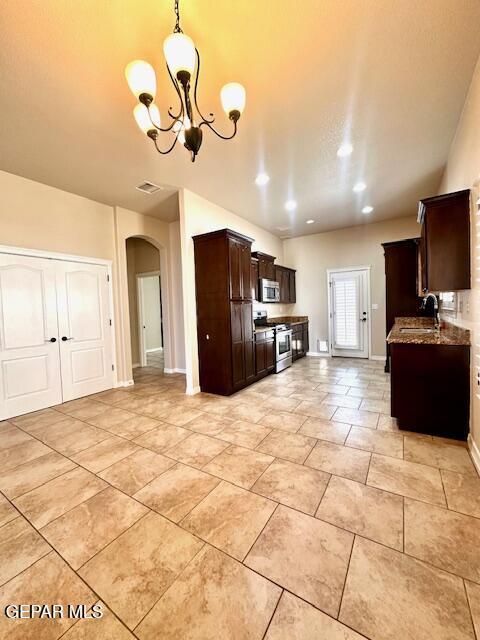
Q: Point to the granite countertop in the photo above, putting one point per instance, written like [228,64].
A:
[290,319]
[449,334]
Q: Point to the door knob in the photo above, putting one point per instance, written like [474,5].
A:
[51,340]
[64,338]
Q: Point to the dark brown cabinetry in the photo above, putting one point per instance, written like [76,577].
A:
[286,279]
[430,388]
[264,353]
[445,243]
[401,271]
[226,347]
[254,278]
[300,344]
[266,266]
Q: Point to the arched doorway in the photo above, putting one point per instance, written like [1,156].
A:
[146,302]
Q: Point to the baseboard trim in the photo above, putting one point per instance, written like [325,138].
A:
[154,350]
[125,383]
[165,370]
[136,365]
[379,358]
[323,354]
[474,452]
[191,391]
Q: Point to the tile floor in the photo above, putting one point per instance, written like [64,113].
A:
[294,510]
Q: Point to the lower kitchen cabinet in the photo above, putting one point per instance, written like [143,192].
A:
[431,388]
[300,342]
[264,353]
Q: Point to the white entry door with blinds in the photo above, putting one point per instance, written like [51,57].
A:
[349,312]
[55,332]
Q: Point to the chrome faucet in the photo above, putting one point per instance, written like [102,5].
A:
[435,308]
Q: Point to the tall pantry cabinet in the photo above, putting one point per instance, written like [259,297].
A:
[226,347]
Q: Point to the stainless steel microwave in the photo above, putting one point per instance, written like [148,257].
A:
[269,290]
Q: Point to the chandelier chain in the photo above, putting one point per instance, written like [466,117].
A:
[177,28]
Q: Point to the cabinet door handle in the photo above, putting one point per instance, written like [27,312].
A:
[64,338]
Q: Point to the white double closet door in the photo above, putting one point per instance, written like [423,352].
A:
[55,332]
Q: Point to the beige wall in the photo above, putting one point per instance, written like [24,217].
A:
[197,216]
[37,216]
[463,172]
[352,247]
[142,257]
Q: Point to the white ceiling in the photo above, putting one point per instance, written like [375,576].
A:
[390,76]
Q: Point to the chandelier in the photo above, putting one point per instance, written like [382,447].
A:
[183,66]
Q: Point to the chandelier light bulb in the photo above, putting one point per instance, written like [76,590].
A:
[233,97]
[178,126]
[140,113]
[180,54]
[141,78]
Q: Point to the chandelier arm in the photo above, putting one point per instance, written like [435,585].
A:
[219,134]
[174,117]
[207,120]
[164,153]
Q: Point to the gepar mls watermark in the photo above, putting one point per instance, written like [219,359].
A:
[52,611]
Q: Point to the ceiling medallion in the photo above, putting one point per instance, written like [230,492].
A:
[183,64]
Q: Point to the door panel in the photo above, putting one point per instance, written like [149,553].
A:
[29,362]
[84,328]
[235,261]
[349,313]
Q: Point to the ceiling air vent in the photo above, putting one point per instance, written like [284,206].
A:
[149,187]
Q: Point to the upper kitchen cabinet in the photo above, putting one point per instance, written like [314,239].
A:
[254,278]
[445,243]
[266,266]
[226,348]
[286,278]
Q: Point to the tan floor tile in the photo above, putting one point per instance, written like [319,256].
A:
[316,409]
[370,512]
[325,430]
[289,446]
[134,427]
[280,404]
[239,465]
[294,619]
[197,450]
[247,412]
[387,591]
[21,453]
[136,470]
[71,436]
[113,396]
[209,424]
[448,540]
[133,402]
[105,453]
[473,595]
[105,628]
[339,460]
[156,407]
[214,598]
[462,491]
[443,456]
[179,415]
[133,572]
[58,496]
[110,418]
[50,580]
[7,511]
[33,421]
[387,444]
[83,409]
[336,389]
[230,518]
[387,423]
[82,532]
[356,417]
[293,485]
[245,434]
[177,491]
[408,479]
[20,547]
[32,474]
[11,435]
[163,438]
[378,406]
[304,555]
[362,392]
[283,420]
[348,402]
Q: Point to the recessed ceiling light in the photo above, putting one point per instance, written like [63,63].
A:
[262,179]
[310,221]
[290,205]
[359,186]
[345,150]
[367,209]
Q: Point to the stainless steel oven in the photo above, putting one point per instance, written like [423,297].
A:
[269,290]
[283,348]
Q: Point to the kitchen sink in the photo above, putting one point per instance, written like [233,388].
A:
[418,330]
